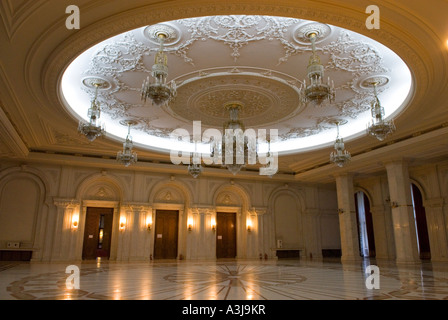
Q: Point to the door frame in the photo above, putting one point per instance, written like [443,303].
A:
[181,226]
[155,233]
[115,205]
[240,225]
[111,228]
[236,233]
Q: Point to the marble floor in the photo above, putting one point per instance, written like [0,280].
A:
[223,280]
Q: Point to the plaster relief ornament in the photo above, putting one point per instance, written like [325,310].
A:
[260,61]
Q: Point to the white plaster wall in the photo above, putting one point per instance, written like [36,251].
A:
[56,194]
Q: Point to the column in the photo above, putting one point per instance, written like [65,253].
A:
[402,212]
[347,218]
[435,220]
[66,239]
[312,234]
[138,231]
[259,214]
[125,232]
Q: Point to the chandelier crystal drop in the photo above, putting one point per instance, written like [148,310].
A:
[159,92]
[127,156]
[316,91]
[340,156]
[93,128]
[379,127]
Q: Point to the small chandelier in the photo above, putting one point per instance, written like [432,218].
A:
[93,128]
[234,136]
[379,127]
[195,168]
[316,90]
[159,92]
[127,156]
[340,156]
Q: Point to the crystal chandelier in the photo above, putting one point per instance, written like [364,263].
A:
[316,90]
[159,92]
[195,168]
[379,127]
[340,156]
[235,158]
[93,128]
[127,156]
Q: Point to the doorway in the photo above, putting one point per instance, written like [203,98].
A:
[365,225]
[420,223]
[225,235]
[166,234]
[97,233]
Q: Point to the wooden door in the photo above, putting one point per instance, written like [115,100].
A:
[166,234]
[225,235]
[97,233]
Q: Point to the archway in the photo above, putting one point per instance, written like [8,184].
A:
[420,223]
[365,225]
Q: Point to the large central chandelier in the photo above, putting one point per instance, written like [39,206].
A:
[127,156]
[235,147]
[379,127]
[93,128]
[340,156]
[160,91]
[316,91]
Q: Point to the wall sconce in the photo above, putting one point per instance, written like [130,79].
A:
[149,222]
[249,225]
[75,221]
[122,223]
[190,224]
[340,211]
[213,224]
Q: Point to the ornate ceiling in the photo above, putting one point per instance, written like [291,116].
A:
[259,61]
[262,66]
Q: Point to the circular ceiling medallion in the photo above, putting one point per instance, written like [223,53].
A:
[303,32]
[337,121]
[171,34]
[129,122]
[372,81]
[265,100]
[94,82]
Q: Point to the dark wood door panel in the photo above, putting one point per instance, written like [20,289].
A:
[225,235]
[166,234]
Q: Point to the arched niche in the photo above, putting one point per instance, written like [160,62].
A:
[23,207]
[287,207]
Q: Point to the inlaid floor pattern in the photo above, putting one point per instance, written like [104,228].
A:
[222,280]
